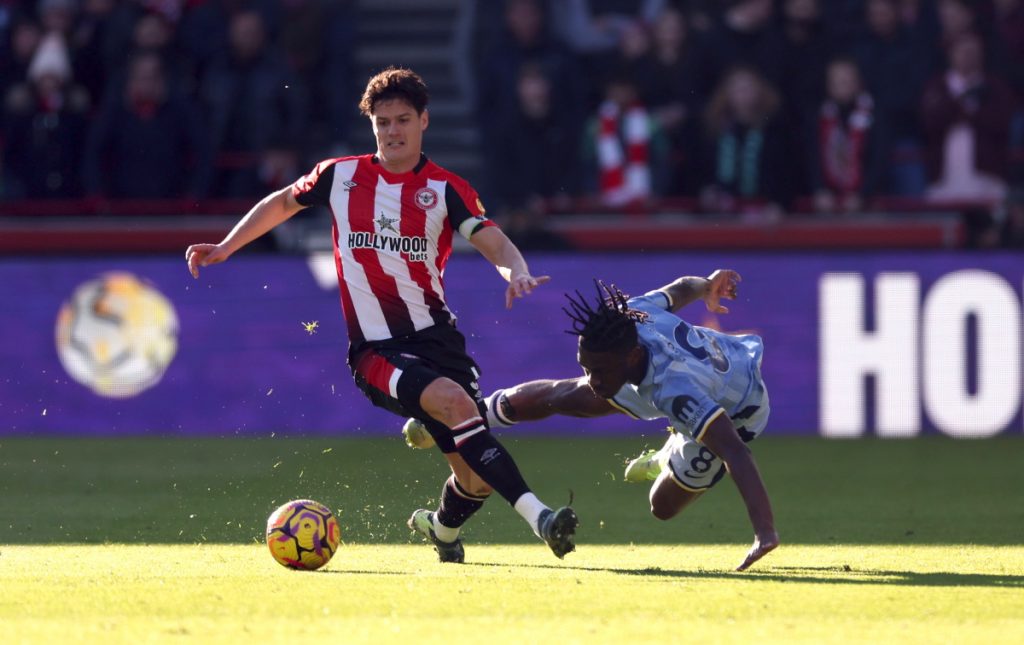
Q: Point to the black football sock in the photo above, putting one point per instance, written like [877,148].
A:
[457,505]
[489,459]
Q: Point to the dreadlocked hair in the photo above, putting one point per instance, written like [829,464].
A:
[606,325]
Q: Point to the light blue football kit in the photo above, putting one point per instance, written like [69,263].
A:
[694,374]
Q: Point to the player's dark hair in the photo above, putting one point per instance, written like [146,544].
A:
[607,325]
[395,83]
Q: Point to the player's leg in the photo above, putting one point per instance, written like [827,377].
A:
[530,401]
[689,470]
[668,498]
[462,495]
[447,402]
[380,374]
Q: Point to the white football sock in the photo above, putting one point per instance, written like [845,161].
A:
[530,508]
[445,533]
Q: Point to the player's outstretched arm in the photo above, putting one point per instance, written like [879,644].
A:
[494,245]
[723,283]
[535,400]
[722,439]
[265,215]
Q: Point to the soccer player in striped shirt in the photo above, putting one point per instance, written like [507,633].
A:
[642,360]
[395,213]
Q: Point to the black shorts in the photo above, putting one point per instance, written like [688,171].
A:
[393,374]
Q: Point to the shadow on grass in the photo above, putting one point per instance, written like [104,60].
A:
[814,575]
[361,572]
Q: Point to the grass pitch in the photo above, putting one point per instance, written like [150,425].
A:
[159,540]
[513,594]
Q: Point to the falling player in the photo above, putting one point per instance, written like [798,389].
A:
[640,359]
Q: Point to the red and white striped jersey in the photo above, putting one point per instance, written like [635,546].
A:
[392,240]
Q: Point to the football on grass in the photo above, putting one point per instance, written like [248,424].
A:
[303,534]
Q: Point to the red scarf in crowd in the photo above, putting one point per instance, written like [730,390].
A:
[842,144]
[625,176]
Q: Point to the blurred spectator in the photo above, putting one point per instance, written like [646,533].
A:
[25,35]
[316,40]
[57,16]
[806,48]
[597,26]
[700,14]
[847,146]
[525,41]
[745,35]
[594,31]
[745,147]
[665,76]
[94,50]
[624,148]
[337,82]
[537,148]
[44,127]
[895,66]
[154,33]
[205,25]
[1010,232]
[966,113]
[256,110]
[956,18]
[148,142]
[1009,33]
[525,38]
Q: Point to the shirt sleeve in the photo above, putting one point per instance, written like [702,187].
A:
[688,407]
[314,189]
[465,210]
[651,302]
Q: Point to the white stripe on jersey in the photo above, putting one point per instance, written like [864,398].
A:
[369,314]
[388,200]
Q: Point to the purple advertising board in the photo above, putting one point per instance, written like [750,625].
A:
[892,344]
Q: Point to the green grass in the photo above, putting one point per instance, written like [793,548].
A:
[513,594]
[160,540]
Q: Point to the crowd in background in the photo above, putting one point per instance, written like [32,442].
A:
[751,106]
[754,105]
[155,99]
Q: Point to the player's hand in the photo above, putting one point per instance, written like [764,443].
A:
[521,285]
[763,544]
[721,284]
[203,255]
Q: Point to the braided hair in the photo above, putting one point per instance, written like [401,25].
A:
[606,326]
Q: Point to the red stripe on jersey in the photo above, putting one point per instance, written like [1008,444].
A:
[384,287]
[355,333]
[376,370]
[414,224]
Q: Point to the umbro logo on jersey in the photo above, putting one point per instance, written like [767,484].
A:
[349,185]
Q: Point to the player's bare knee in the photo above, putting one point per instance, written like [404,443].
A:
[446,401]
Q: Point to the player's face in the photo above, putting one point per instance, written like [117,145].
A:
[399,131]
[606,372]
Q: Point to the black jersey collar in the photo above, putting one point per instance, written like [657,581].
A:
[418,167]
